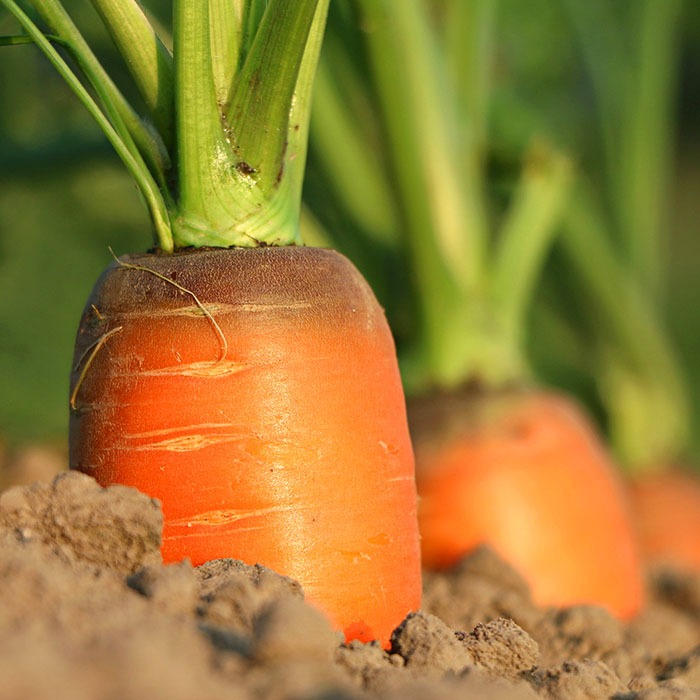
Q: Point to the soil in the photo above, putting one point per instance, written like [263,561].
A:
[89,612]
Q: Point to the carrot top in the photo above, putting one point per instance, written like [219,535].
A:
[416,80]
[615,227]
[425,83]
[220,154]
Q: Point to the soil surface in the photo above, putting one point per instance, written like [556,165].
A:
[89,612]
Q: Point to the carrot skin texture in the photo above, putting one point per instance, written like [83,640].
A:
[285,445]
[666,508]
[526,474]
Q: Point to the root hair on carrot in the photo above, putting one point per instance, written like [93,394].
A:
[217,328]
[90,354]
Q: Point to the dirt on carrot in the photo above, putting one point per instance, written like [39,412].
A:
[88,612]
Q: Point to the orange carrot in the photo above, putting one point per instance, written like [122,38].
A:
[256,394]
[526,474]
[666,506]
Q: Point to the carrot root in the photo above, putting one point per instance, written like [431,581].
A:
[526,474]
[666,508]
[292,451]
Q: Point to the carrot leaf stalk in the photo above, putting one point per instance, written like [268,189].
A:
[635,119]
[640,379]
[474,267]
[117,109]
[614,239]
[147,58]
[444,221]
[210,175]
[232,170]
[359,172]
[226,37]
[526,234]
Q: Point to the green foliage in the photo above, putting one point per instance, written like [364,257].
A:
[54,238]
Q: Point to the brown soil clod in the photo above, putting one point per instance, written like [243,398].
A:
[82,585]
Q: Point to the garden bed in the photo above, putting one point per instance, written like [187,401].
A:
[88,611]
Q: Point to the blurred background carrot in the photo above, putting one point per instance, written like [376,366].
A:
[500,458]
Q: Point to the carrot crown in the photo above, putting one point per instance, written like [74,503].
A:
[416,77]
[220,155]
[614,229]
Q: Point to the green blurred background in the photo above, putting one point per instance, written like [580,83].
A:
[65,199]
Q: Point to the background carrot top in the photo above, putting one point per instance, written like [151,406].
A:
[535,193]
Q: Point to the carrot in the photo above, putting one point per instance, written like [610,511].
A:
[499,460]
[283,452]
[519,471]
[248,383]
[666,505]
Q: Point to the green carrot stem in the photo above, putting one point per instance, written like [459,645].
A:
[265,87]
[147,58]
[20,39]
[253,11]
[149,144]
[647,419]
[640,364]
[440,195]
[205,163]
[341,138]
[469,31]
[295,152]
[645,141]
[226,34]
[633,78]
[601,41]
[227,196]
[116,132]
[526,235]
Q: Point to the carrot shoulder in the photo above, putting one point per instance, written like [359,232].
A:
[256,394]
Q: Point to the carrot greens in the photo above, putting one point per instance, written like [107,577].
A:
[614,236]
[147,58]
[638,372]
[208,173]
[631,56]
[474,264]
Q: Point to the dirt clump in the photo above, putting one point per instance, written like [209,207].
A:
[88,611]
